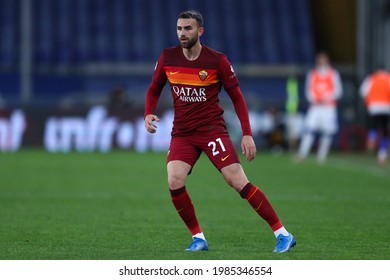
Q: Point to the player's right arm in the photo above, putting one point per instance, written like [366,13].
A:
[153,95]
[308,90]
[149,123]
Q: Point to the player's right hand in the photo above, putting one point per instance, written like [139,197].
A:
[149,123]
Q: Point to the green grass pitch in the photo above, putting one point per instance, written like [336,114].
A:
[116,206]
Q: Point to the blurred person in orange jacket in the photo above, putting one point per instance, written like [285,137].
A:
[323,89]
[375,91]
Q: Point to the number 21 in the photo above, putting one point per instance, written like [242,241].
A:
[213,146]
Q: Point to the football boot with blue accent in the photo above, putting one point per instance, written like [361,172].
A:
[284,243]
[198,244]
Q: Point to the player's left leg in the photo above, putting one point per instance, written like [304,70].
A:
[384,142]
[235,177]
[328,127]
[222,153]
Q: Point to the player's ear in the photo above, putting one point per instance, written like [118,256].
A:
[200,31]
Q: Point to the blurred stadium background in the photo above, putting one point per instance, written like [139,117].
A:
[70,69]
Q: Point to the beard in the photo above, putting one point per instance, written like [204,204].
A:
[189,43]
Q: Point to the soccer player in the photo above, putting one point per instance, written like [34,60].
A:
[375,90]
[196,74]
[323,89]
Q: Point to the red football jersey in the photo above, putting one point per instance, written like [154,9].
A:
[195,86]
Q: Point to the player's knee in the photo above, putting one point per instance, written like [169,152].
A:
[175,182]
[235,177]
[236,183]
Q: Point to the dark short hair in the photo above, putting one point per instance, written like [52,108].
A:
[193,14]
[322,52]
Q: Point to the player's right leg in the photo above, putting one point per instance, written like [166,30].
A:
[374,128]
[178,171]
[372,137]
[307,138]
[324,147]
[305,146]
[177,174]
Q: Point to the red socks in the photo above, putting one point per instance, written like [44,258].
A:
[186,210]
[250,192]
[261,205]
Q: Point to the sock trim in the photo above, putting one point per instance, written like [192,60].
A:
[177,192]
[253,193]
[277,225]
[245,190]
[195,230]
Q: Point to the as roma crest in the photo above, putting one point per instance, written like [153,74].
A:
[203,75]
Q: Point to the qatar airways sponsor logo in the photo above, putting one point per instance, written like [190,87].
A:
[190,94]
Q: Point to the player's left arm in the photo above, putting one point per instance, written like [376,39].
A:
[247,144]
[230,83]
[338,86]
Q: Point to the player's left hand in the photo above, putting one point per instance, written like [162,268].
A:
[248,147]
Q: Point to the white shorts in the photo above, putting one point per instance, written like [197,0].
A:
[321,119]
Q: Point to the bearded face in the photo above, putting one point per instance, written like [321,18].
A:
[188,32]
[188,43]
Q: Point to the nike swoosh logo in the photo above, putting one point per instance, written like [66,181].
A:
[224,158]
[259,206]
[173,73]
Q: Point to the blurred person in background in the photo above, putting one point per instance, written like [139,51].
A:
[293,119]
[117,100]
[323,89]
[276,137]
[375,91]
